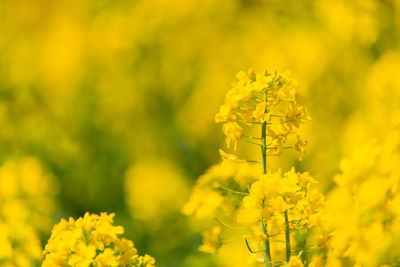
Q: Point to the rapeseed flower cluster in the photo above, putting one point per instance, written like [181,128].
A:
[364,207]
[257,98]
[27,193]
[277,213]
[92,240]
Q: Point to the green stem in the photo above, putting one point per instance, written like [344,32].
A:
[229,226]
[251,142]
[252,137]
[264,146]
[232,191]
[266,247]
[287,235]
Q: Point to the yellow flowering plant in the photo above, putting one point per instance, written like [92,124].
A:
[92,240]
[27,205]
[364,207]
[277,213]
[266,99]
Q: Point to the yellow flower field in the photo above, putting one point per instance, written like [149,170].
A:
[200,133]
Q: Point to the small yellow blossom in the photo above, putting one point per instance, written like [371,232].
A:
[260,114]
[211,240]
[300,146]
[146,261]
[233,133]
[226,156]
[106,258]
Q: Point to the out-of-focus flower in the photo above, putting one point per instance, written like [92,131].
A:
[155,188]
[27,205]
[363,208]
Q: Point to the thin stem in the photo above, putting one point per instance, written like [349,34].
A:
[251,122]
[266,248]
[231,190]
[296,221]
[257,122]
[229,226]
[274,235]
[252,137]
[278,123]
[278,116]
[284,147]
[302,250]
[278,241]
[256,98]
[264,146]
[273,155]
[249,248]
[287,235]
[285,121]
[251,142]
[250,161]
[263,226]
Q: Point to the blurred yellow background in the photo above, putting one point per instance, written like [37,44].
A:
[115,100]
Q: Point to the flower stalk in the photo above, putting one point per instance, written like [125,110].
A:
[287,235]
[267,252]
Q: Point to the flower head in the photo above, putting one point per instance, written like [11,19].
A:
[90,240]
[263,98]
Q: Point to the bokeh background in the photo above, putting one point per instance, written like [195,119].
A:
[109,105]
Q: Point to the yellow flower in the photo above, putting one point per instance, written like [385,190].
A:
[126,250]
[233,133]
[278,205]
[211,240]
[83,254]
[226,156]
[106,258]
[27,205]
[225,113]
[146,261]
[278,140]
[259,113]
[89,240]
[290,182]
[300,146]
[203,203]
[287,90]
[249,216]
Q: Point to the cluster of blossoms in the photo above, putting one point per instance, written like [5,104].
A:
[19,244]
[221,181]
[257,98]
[364,208]
[27,193]
[92,241]
[279,214]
